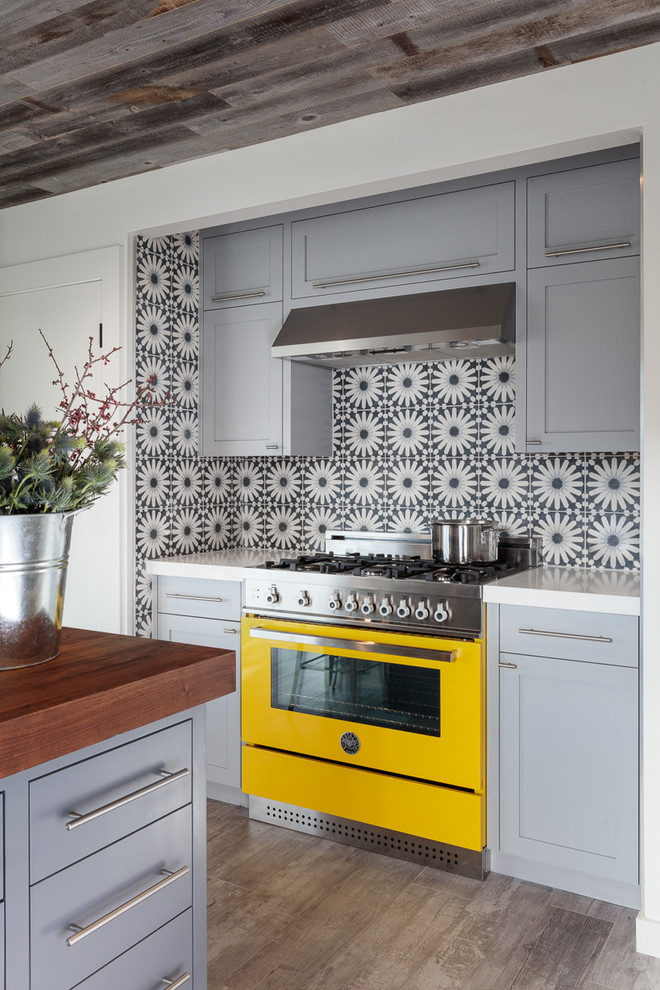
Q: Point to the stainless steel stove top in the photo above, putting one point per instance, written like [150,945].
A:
[386,580]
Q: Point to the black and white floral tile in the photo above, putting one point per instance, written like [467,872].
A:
[412,443]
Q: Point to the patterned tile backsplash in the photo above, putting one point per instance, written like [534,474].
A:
[412,442]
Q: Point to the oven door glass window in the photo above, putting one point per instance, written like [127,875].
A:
[371,692]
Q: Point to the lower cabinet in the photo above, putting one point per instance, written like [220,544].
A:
[566,812]
[206,612]
[106,865]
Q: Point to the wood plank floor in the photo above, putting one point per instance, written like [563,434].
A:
[295,912]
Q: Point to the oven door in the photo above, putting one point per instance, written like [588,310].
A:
[401,703]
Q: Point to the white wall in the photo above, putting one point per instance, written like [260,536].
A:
[591,105]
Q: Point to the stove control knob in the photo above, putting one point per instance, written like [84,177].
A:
[272,595]
[368,605]
[386,607]
[351,603]
[441,613]
[303,599]
[422,611]
[335,601]
[404,610]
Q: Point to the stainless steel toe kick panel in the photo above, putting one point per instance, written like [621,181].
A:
[400,845]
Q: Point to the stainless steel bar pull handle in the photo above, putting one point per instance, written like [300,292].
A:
[566,635]
[361,645]
[80,933]
[528,442]
[378,278]
[175,984]
[584,250]
[511,666]
[168,777]
[193,598]
[225,297]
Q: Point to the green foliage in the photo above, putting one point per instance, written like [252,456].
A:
[49,466]
[44,468]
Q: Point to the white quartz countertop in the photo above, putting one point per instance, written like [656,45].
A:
[547,587]
[221,565]
[562,587]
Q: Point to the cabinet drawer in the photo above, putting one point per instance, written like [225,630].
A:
[242,268]
[584,214]
[436,237]
[199,596]
[101,885]
[165,955]
[596,637]
[99,782]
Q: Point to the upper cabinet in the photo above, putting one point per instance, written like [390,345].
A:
[253,404]
[583,357]
[241,409]
[583,214]
[568,238]
[243,267]
[581,372]
[465,233]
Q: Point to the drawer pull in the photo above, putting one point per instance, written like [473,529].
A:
[584,250]
[363,645]
[229,632]
[168,777]
[175,984]
[511,666]
[237,295]
[377,278]
[566,635]
[81,933]
[193,598]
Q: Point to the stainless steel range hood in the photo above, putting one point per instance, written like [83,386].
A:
[478,321]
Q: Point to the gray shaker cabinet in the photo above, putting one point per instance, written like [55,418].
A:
[568,751]
[242,268]
[583,357]
[207,612]
[253,404]
[241,383]
[464,233]
[581,375]
[584,214]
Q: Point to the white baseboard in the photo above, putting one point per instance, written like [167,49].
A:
[648,936]
[222,792]
[614,891]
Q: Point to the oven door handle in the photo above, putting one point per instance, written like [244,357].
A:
[363,645]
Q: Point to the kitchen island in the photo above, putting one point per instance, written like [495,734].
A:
[103,828]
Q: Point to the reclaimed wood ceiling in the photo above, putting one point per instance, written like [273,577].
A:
[95,90]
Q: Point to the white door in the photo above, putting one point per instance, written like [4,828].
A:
[65,297]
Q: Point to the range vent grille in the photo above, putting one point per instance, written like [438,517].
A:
[388,842]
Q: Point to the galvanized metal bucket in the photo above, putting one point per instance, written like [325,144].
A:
[34,553]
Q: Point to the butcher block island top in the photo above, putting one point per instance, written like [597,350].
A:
[100,685]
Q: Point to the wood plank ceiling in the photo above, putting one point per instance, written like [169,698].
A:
[95,90]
